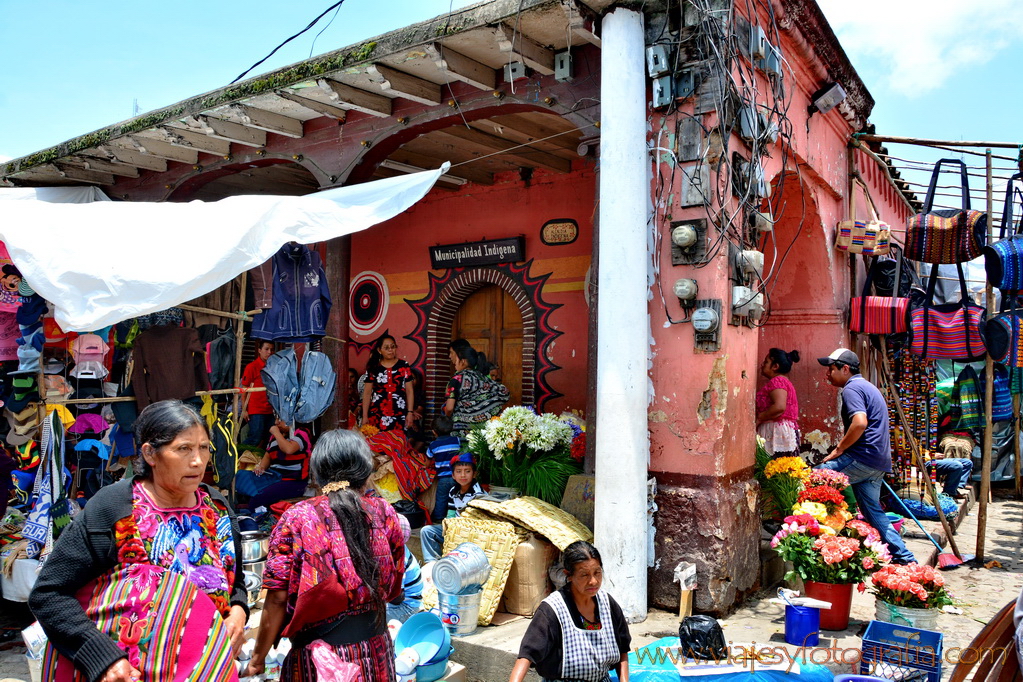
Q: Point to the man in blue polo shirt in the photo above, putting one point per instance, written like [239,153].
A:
[864,454]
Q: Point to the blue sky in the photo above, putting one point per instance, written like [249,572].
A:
[937,68]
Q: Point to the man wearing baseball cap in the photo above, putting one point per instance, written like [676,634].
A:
[864,454]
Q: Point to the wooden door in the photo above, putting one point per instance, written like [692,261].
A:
[490,320]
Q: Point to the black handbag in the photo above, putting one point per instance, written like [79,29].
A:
[885,270]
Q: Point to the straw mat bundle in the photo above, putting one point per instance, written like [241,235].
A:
[543,518]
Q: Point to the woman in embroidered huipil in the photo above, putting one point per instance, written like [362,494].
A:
[335,561]
[388,396]
[144,582]
[776,403]
[579,632]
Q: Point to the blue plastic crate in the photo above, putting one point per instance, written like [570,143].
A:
[899,652]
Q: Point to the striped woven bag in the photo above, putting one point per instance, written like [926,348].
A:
[949,331]
[1003,260]
[946,235]
[879,314]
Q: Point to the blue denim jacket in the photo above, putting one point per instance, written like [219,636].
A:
[301,298]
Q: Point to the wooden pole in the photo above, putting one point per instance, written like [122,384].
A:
[244,316]
[131,398]
[887,172]
[989,389]
[1016,444]
[915,448]
[239,346]
[928,143]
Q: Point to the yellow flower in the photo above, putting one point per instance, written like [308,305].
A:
[814,509]
[793,467]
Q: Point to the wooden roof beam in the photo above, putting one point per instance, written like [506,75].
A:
[321,108]
[84,175]
[353,98]
[162,151]
[462,68]
[404,85]
[524,155]
[220,129]
[268,121]
[88,162]
[132,156]
[179,137]
[526,50]
[44,173]
[581,21]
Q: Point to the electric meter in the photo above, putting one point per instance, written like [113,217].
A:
[684,236]
[686,289]
[705,320]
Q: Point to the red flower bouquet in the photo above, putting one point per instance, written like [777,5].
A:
[826,495]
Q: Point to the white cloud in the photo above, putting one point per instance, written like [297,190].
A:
[4,159]
[918,44]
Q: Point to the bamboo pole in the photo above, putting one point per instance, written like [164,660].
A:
[915,448]
[1016,445]
[244,316]
[887,172]
[239,346]
[926,142]
[131,398]
[989,390]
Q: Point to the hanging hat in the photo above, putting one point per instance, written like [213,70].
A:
[25,289]
[54,366]
[89,423]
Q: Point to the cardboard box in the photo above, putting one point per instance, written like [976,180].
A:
[527,582]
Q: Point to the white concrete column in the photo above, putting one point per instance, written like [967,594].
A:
[623,327]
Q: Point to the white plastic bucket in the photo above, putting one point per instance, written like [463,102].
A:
[460,612]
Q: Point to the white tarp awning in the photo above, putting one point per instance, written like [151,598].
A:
[103,262]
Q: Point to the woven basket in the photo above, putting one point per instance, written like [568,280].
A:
[555,524]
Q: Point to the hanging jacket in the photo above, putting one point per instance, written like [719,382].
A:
[301,298]
[169,363]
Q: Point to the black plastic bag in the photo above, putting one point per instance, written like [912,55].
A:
[701,638]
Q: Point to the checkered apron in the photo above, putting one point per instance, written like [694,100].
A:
[587,655]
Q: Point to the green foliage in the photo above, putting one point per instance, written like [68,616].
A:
[536,473]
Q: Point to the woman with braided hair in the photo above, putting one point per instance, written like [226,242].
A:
[334,563]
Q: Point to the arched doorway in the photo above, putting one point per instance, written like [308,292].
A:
[491,321]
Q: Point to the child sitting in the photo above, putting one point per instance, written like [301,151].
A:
[466,488]
[442,450]
[412,584]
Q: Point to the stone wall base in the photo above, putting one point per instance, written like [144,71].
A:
[712,522]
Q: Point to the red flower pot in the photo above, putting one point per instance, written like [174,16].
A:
[840,596]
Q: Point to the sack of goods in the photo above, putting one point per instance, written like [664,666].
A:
[947,235]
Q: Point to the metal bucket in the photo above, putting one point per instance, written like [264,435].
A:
[464,570]
[460,612]
[255,544]
[253,585]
